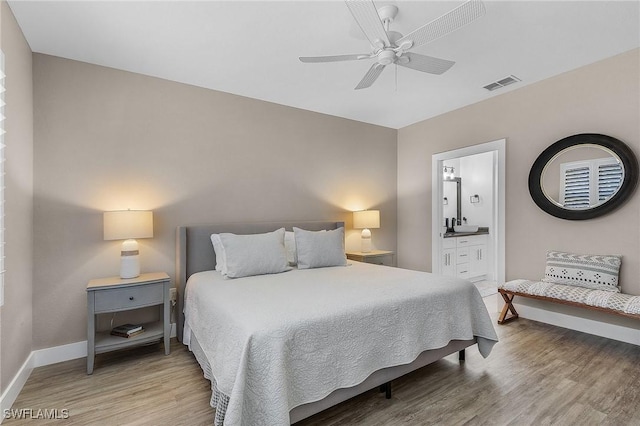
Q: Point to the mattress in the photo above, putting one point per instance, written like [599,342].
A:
[274,342]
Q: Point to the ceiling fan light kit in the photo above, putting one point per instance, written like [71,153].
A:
[386,57]
[391,47]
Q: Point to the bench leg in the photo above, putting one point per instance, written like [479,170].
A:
[508,307]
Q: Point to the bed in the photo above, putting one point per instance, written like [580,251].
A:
[279,348]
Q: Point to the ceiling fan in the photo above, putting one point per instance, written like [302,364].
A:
[391,47]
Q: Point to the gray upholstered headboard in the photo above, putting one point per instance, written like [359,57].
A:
[194,251]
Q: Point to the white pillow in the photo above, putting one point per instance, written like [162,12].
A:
[221,258]
[320,249]
[254,254]
[290,248]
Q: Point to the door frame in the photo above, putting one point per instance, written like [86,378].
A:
[497,227]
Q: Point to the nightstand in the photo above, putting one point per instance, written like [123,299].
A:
[378,257]
[115,294]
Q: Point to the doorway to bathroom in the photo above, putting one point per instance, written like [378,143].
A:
[468,219]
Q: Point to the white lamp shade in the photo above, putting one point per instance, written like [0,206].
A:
[366,219]
[126,224]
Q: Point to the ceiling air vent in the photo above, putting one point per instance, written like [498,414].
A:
[502,82]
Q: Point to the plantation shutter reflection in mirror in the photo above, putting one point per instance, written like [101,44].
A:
[609,180]
[585,184]
[574,187]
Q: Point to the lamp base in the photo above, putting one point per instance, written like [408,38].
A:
[365,240]
[129,259]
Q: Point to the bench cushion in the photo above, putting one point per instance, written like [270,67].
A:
[595,271]
[599,298]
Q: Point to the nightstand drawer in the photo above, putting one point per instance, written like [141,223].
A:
[129,298]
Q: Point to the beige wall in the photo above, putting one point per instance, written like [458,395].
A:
[16,314]
[107,139]
[600,98]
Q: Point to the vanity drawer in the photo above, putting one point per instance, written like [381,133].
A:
[449,242]
[471,240]
[462,255]
[463,271]
[129,298]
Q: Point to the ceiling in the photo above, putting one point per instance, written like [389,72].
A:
[252,48]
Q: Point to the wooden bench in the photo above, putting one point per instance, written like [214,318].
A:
[598,300]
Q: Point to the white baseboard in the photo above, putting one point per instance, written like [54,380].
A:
[58,354]
[40,358]
[585,325]
[13,390]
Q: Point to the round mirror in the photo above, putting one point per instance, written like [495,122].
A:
[583,176]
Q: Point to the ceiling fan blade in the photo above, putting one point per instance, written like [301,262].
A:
[371,76]
[334,58]
[447,23]
[425,63]
[366,15]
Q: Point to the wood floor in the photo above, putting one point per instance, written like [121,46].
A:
[537,375]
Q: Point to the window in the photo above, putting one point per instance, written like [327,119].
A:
[584,184]
[2,131]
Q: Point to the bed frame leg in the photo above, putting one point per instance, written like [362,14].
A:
[461,355]
[386,388]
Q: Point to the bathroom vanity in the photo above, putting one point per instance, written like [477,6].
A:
[465,254]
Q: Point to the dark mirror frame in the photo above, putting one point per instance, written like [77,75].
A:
[458,182]
[619,148]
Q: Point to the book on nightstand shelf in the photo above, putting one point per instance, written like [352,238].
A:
[127,330]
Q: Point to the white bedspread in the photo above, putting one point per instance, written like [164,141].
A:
[278,341]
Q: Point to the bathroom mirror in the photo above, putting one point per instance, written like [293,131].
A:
[452,190]
[583,176]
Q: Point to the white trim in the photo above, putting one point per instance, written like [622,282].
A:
[498,147]
[56,354]
[10,394]
[585,325]
[173,328]
[2,177]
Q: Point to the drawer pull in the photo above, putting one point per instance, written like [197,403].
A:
[131,298]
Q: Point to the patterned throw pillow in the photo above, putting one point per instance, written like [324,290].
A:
[599,272]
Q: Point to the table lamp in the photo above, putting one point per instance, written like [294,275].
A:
[128,225]
[365,220]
